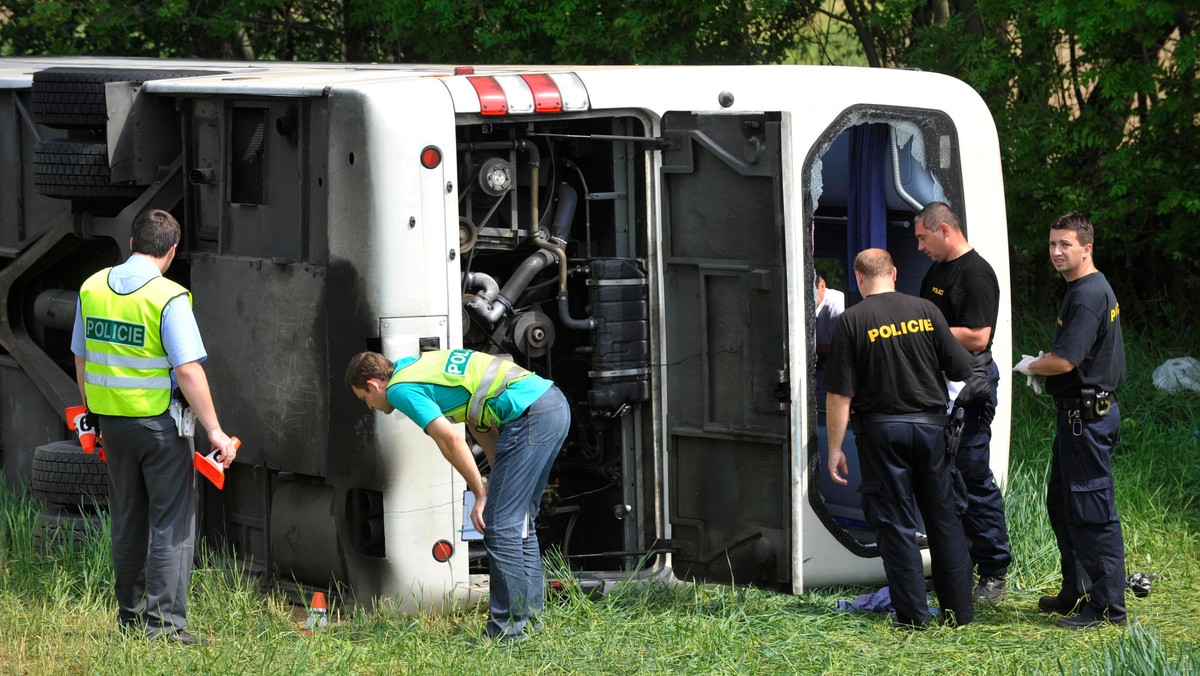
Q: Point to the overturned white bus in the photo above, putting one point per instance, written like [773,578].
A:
[647,237]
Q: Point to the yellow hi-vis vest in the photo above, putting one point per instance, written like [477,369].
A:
[127,372]
[482,375]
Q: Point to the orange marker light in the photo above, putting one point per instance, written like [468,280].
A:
[442,551]
[431,156]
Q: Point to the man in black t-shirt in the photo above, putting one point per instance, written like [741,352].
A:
[887,358]
[963,286]
[1083,370]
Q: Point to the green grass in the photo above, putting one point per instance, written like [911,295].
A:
[57,612]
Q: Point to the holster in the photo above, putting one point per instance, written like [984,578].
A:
[1087,403]
[1093,404]
[954,430]
[185,420]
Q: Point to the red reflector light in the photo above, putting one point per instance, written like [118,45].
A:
[491,97]
[431,156]
[546,98]
[464,70]
[442,551]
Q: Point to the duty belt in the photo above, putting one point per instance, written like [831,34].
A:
[918,418]
[1088,403]
[1102,399]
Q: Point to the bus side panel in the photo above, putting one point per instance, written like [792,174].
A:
[393,239]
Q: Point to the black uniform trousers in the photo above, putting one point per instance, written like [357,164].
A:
[1082,506]
[904,468]
[984,521]
[153,510]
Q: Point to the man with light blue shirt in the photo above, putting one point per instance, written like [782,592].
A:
[519,418]
[135,340]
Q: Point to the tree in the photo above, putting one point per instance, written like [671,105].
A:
[415,31]
[1095,103]
[1096,108]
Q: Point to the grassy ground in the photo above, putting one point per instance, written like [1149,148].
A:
[57,613]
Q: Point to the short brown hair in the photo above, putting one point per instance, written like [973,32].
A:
[1077,223]
[365,366]
[154,233]
[872,263]
[936,213]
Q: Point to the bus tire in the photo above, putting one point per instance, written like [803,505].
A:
[69,168]
[64,475]
[62,527]
[73,98]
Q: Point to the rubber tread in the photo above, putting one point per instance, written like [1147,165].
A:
[77,168]
[73,98]
[57,527]
[63,474]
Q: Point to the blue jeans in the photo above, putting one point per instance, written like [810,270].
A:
[525,452]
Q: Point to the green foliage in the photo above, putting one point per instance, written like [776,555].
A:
[429,31]
[1096,108]
[575,31]
[1139,653]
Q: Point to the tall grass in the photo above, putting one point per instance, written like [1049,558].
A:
[57,614]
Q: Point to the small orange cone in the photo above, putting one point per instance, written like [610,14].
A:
[318,617]
[77,420]
[210,467]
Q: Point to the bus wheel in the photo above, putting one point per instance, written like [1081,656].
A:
[71,168]
[73,98]
[62,527]
[63,474]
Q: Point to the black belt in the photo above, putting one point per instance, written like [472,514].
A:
[1076,403]
[918,418]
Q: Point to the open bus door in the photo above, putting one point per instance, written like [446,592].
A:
[729,467]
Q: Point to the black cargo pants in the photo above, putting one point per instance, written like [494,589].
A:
[904,468]
[1081,503]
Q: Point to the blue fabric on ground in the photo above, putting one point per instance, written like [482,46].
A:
[875,602]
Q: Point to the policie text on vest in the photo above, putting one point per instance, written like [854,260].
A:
[113,331]
[900,329]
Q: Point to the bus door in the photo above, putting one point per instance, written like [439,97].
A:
[728,446]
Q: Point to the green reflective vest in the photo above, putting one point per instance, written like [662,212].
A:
[127,372]
[483,375]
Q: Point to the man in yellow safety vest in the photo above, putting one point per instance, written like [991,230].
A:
[519,418]
[135,336]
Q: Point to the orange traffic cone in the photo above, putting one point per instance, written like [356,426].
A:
[210,467]
[318,618]
[77,420]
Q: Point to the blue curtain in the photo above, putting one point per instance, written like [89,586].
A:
[866,209]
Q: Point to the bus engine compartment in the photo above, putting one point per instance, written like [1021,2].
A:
[569,299]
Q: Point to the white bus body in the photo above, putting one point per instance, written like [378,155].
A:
[332,208]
